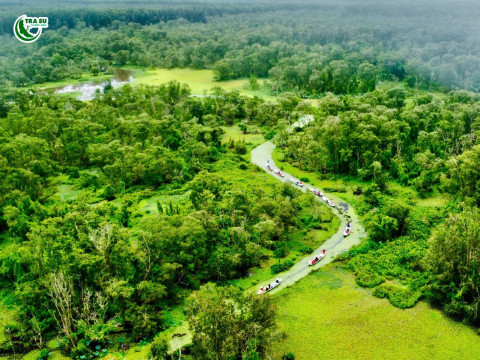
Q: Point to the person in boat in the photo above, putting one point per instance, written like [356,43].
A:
[324,251]
[277,281]
[348,225]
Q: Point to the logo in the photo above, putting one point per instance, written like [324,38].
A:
[24,24]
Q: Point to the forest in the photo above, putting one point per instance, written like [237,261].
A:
[347,52]
[119,213]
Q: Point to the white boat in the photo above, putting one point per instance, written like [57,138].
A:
[278,172]
[316,192]
[316,259]
[348,230]
[269,287]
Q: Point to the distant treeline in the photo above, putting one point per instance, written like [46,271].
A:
[306,48]
[105,17]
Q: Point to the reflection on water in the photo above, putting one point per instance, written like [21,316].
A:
[88,90]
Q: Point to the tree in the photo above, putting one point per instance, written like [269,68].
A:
[227,323]
[454,260]
[366,77]
[253,81]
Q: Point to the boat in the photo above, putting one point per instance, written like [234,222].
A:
[269,287]
[348,230]
[278,172]
[316,192]
[316,259]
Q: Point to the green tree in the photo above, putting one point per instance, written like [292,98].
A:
[227,323]
[454,260]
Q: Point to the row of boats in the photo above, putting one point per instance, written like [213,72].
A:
[318,257]
[323,197]
[276,171]
[300,184]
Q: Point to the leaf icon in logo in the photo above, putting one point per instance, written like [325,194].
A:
[22,33]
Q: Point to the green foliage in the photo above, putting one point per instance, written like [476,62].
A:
[241,321]
[282,266]
[306,250]
[281,250]
[159,350]
[368,278]
[400,297]
[453,260]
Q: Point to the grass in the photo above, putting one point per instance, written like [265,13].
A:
[199,81]
[235,134]
[326,315]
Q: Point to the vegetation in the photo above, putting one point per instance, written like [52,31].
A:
[341,54]
[347,323]
[229,324]
[100,260]
[126,216]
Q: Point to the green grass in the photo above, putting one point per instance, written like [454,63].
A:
[235,134]
[326,315]
[199,81]
[150,204]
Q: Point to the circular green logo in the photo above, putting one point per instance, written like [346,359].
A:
[23,26]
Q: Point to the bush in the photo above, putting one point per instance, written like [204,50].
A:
[400,297]
[159,350]
[288,356]
[243,167]
[306,250]
[282,266]
[44,354]
[337,189]
[281,250]
[305,179]
[241,148]
[270,135]
[368,279]
[108,193]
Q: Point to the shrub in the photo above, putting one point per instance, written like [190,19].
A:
[337,189]
[400,297]
[241,148]
[366,278]
[108,193]
[281,250]
[270,135]
[305,179]
[288,356]
[159,350]
[243,167]
[306,250]
[282,266]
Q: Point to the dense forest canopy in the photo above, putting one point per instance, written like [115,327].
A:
[423,43]
[117,210]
